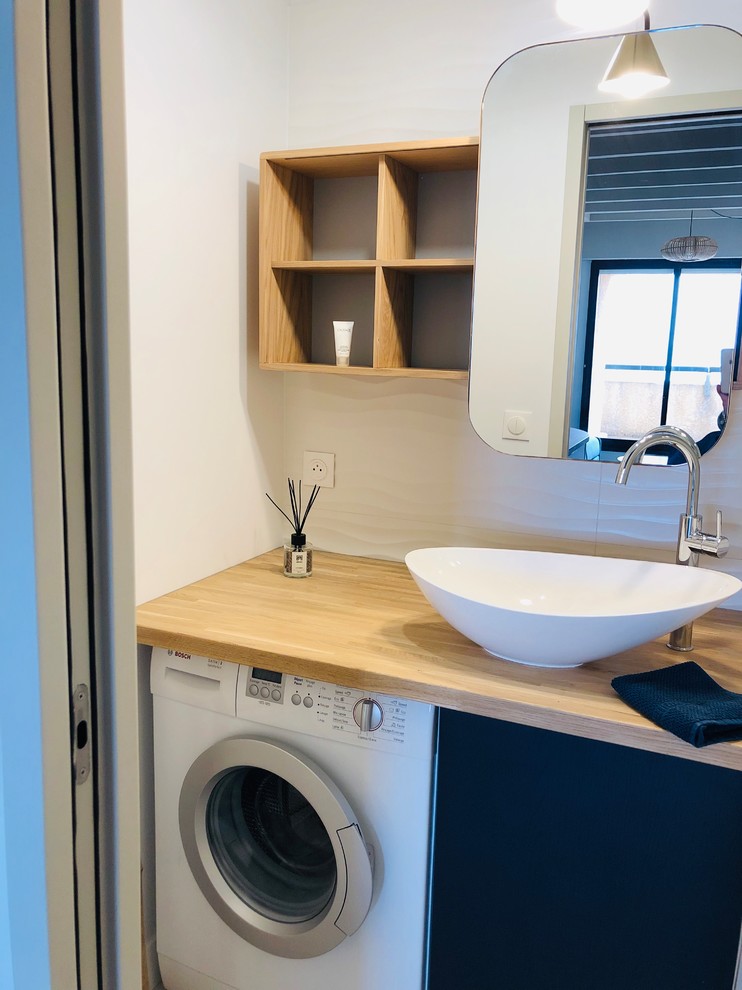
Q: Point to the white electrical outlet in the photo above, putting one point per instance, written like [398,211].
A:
[319,469]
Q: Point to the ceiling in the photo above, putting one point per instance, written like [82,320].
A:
[661,170]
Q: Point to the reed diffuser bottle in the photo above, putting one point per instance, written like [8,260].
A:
[297,553]
[297,556]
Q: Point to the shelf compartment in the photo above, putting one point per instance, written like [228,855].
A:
[302,304]
[446,214]
[345,218]
[441,320]
[346,296]
[423,317]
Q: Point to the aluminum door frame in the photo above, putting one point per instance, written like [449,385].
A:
[69,77]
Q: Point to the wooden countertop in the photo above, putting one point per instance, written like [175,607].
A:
[363,623]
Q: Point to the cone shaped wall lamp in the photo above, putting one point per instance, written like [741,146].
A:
[635,68]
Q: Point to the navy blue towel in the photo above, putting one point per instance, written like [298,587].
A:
[685,700]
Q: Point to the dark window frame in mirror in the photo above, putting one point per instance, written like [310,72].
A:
[620,445]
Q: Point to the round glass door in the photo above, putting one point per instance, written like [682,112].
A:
[275,847]
[270,845]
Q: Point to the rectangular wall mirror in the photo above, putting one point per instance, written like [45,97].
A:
[589,323]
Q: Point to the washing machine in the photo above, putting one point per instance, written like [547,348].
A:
[292,826]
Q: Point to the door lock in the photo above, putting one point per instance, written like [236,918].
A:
[81,713]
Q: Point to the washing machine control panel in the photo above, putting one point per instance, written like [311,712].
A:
[303,704]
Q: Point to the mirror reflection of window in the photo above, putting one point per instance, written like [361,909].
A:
[649,340]
[653,349]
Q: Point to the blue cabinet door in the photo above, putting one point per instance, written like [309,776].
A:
[566,864]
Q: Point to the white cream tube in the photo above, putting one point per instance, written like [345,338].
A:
[343,337]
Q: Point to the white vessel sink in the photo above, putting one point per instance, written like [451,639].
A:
[562,610]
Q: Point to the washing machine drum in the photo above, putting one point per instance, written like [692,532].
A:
[275,847]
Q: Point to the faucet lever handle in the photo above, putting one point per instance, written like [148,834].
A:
[718,524]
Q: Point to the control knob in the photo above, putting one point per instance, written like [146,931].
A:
[368,714]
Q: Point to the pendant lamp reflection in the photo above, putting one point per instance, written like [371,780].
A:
[635,68]
[599,16]
[694,247]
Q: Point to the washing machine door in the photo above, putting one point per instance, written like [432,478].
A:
[275,847]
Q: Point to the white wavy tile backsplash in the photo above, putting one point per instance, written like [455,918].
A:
[390,537]
[411,472]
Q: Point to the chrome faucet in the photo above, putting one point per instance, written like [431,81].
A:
[692,541]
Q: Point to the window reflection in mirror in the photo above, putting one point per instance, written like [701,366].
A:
[651,336]
[656,338]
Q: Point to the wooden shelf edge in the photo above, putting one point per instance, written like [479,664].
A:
[398,264]
[383,148]
[429,264]
[328,267]
[430,155]
[331,369]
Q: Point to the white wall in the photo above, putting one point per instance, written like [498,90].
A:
[206,93]
[410,470]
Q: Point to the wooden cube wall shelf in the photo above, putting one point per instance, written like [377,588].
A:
[289,268]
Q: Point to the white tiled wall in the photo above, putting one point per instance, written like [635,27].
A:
[410,470]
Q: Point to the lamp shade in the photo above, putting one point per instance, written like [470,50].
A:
[595,16]
[635,68]
[691,248]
